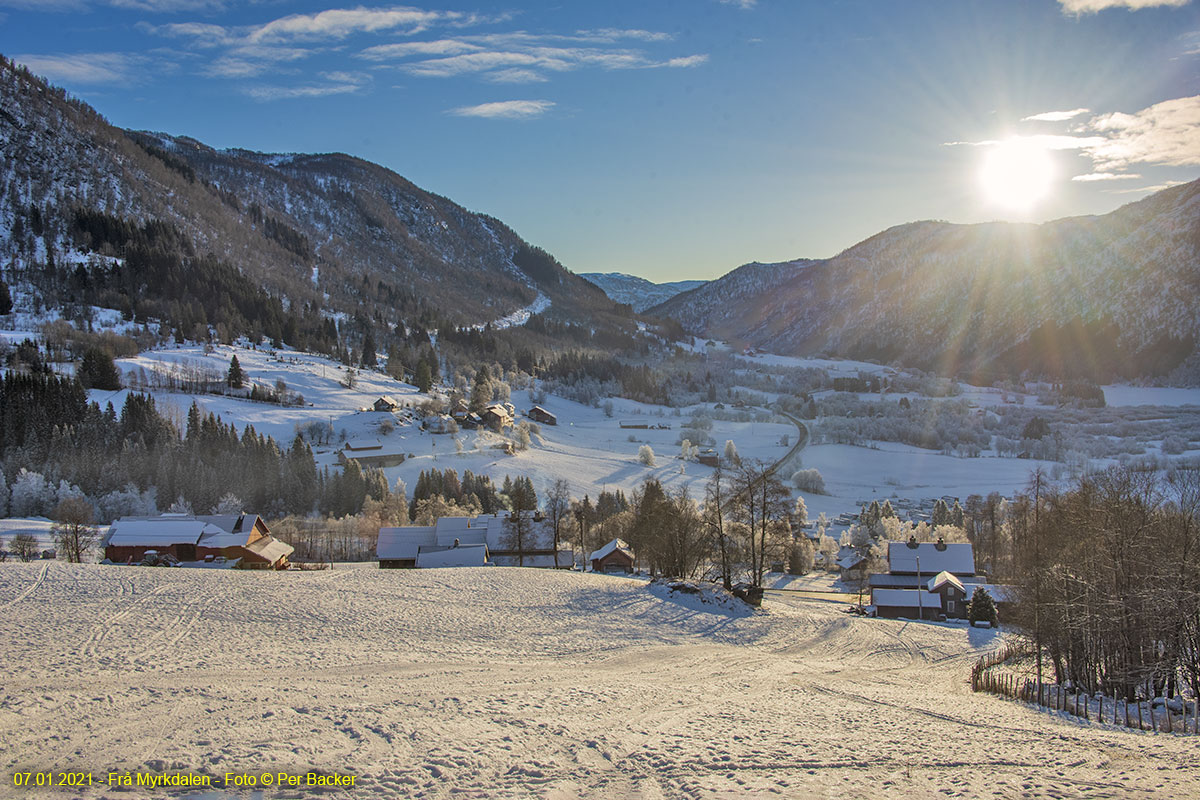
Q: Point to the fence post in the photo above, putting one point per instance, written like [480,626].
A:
[1100,714]
[1139,707]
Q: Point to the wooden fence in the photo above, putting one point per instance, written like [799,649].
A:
[985,677]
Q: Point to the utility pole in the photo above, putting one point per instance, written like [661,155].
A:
[920,605]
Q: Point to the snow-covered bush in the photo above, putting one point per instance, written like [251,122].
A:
[1174,445]
[646,455]
[809,480]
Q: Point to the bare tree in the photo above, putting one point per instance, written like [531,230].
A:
[73,530]
[24,545]
[558,507]
[716,496]
[763,504]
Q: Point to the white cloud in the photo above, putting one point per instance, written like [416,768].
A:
[745,5]
[615,34]
[439,47]
[1106,176]
[1165,133]
[1044,141]
[1096,6]
[688,61]
[336,83]
[507,109]
[1056,116]
[516,75]
[112,68]
[337,23]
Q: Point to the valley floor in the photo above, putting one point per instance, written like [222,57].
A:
[518,683]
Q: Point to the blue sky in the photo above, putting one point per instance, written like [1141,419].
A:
[671,139]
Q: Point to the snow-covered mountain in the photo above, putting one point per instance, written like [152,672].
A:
[637,292]
[326,231]
[1084,297]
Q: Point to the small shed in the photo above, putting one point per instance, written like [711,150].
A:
[386,403]
[614,557]
[906,603]
[539,414]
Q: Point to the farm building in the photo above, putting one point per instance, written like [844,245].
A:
[372,453]
[941,570]
[386,403]
[496,416]
[616,556]
[243,539]
[539,414]
[404,547]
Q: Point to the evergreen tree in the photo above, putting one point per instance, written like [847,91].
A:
[941,514]
[6,303]
[368,360]
[481,391]
[235,378]
[99,371]
[423,379]
[982,608]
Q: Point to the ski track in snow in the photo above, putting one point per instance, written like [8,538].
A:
[516,683]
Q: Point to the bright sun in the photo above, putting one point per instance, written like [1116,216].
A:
[1016,174]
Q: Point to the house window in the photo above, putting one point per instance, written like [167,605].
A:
[950,607]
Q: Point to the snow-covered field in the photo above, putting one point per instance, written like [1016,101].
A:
[517,683]
[857,475]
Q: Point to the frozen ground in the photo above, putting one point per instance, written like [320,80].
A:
[510,683]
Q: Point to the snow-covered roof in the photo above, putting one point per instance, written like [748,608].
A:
[905,598]
[465,555]
[957,558]
[941,579]
[160,532]
[610,548]
[403,543]
[849,558]
[270,548]
[363,444]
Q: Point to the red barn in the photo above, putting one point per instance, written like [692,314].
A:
[616,556]
[240,538]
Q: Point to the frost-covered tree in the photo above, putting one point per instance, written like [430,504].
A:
[180,506]
[800,560]
[32,496]
[809,480]
[3,495]
[522,435]
[646,455]
[127,502]
[731,453]
[229,503]
[800,512]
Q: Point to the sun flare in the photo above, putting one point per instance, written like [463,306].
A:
[1016,174]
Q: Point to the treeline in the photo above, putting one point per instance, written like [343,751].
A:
[51,435]
[1109,580]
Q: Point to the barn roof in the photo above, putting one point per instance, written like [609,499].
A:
[957,558]
[402,543]
[465,555]
[270,548]
[904,598]
[160,531]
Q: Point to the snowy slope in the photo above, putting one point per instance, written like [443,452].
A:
[506,682]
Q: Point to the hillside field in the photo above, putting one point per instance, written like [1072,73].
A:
[507,682]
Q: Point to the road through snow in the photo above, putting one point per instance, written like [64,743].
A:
[513,683]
